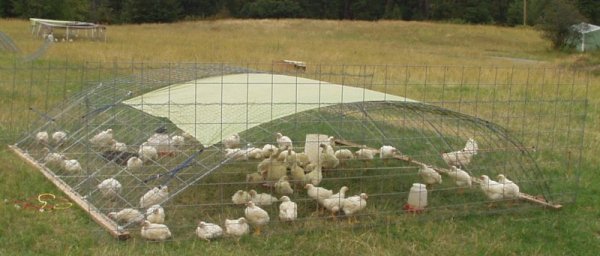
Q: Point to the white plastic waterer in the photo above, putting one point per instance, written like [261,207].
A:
[417,197]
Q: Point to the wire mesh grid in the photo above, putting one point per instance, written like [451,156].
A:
[528,123]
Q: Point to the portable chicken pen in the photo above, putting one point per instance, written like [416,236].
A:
[528,125]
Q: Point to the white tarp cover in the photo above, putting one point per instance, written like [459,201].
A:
[216,107]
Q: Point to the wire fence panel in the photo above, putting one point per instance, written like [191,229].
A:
[161,125]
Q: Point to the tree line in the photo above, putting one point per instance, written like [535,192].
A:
[500,12]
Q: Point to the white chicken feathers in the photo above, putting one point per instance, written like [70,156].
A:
[317,193]
[103,139]
[41,137]
[147,152]
[208,231]
[110,188]
[492,189]
[155,232]
[327,157]
[511,189]
[240,197]
[237,227]
[72,166]
[154,196]
[462,157]
[127,215]
[134,164]
[262,198]
[387,151]
[288,210]
[119,146]
[354,204]
[429,175]
[155,214]
[461,177]
[59,137]
[255,215]
[365,153]
[232,141]
[334,203]
[344,154]
[283,186]
[283,141]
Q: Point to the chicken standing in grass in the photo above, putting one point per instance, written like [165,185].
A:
[386,152]
[365,154]
[318,193]
[492,189]
[283,141]
[288,210]
[262,199]
[59,137]
[333,204]
[103,139]
[208,231]
[256,216]
[156,195]
[155,214]
[237,227]
[134,164]
[127,216]
[327,157]
[343,155]
[461,177]
[241,197]
[430,176]
[511,189]
[42,137]
[232,141]
[353,205]
[155,232]
[283,186]
[463,157]
[110,188]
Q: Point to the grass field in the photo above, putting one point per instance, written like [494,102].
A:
[574,230]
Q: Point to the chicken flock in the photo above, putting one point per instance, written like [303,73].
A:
[279,168]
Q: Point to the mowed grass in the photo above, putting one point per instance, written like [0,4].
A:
[572,230]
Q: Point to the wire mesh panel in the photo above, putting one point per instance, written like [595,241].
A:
[527,124]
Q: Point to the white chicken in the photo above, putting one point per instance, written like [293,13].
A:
[327,157]
[253,153]
[283,141]
[161,141]
[237,227]
[254,178]
[110,188]
[155,232]
[177,140]
[462,157]
[235,154]
[134,164]
[71,166]
[208,231]
[42,137]
[103,139]
[461,178]
[283,154]
[297,173]
[232,141]
[430,176]
[288,210]
[119,146]
[53,159]
[386,152]
[256,216]
[147,152]
[127,216]
[365,154]
[59,137]
[353,205]
[154,196]
[155,214]
[262,198]
[333,204]
[268,150]
[283,186]
[343,155]
[511,189]
[314,176]
[302,159]
[318,193]
[492,189]
[240,197]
